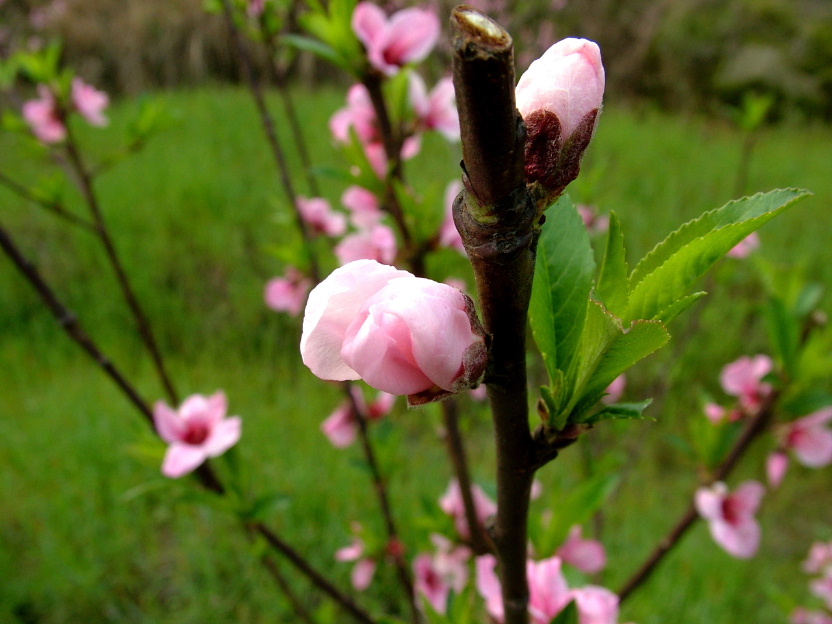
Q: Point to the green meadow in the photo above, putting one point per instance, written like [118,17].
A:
[91,532]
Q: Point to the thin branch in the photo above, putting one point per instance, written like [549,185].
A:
[205,474]
[283,583]
[496,220]
[480,540]
[55,208]
[402,570]
[756,426]
[266,119]
[85,182]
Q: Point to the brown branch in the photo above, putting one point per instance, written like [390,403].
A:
[55,208]
[269,128]
[85,183]
[756,426]
[283,583]
[480,540]
[496,220]
[397,553]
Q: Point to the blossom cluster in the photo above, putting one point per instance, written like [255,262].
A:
[47,117]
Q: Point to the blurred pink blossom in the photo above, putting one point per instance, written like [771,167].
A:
[777,464]
[745,247]
[596,605]
[451,503]
[731,516]
[448,234]
[288,293]
[615,390]
[809,438]
[717,413]
[359,114]
[822,588]
[596,223]
[374,243]
[319,215]
[90,102]
[44,117]
[365,567]
[407,36]
[196,431]
[435,110]
[256,8]
[341,427]
[801,615]
[819,560]
[743,379]
[400,333]
[588,555]
[364,207]
[436,575]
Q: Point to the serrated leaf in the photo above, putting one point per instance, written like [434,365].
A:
[688,260]
[622,352]
[613,283]
[621,411]
[677,307]
[569,615]
[734,211]
[562,282]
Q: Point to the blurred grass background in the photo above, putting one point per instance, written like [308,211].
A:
[193,216]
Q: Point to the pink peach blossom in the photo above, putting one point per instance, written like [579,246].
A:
[288,293]
[341,427]
[436,575]
[777,464]
[359,115]
[809,438]
[822,588]
[400,333]
[319,215]
[615,390]
[364,207]
[364,569]
[407,36]
[718,414]
[377,242]
[568,80]
[801,615]
[435,110]
[448,234]
[196,431]
[731,516]
[594,222]
[596,605]
[256,7]
[90,102]
[745,247]
[743,379]
[44,117]
[819,560]
[588,555]
[451,503]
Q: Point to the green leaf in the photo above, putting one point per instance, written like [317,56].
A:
[264,507]
[613,286]
[569,615]
[668,271]
[621,411]
[307,44]
[623,351]
[562,282]
[677,307]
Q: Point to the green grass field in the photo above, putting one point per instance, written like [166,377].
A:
[195,215]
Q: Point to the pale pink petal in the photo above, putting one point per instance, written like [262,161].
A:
[341,427]
[548,590]
[442,114]
[369,23]
[44,117]
[448,234]
[167,422]
[709,501]
[819,559]
[411,147]
[596,605]
[747,497]
[746,246]
[587,555]
[180,459]
[363,205]
[90,102]
[287,294]
[331,308]
[381,406]
[419,96]
[362,574]
[822,588]
[353,552]
[223,436]
[810,440]
[429,583]
[714,412]
[488,586]
[777,464]
[615,390]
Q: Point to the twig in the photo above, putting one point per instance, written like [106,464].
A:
[53,207]
[380,487]
[283,583]
[496,220]
[85,183]
[271,135]
[480,540]
[758,424]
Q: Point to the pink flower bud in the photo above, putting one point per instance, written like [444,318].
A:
[559,97]
[743,379]
[399,333]
[44,117]
[90,102]
[288,294]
